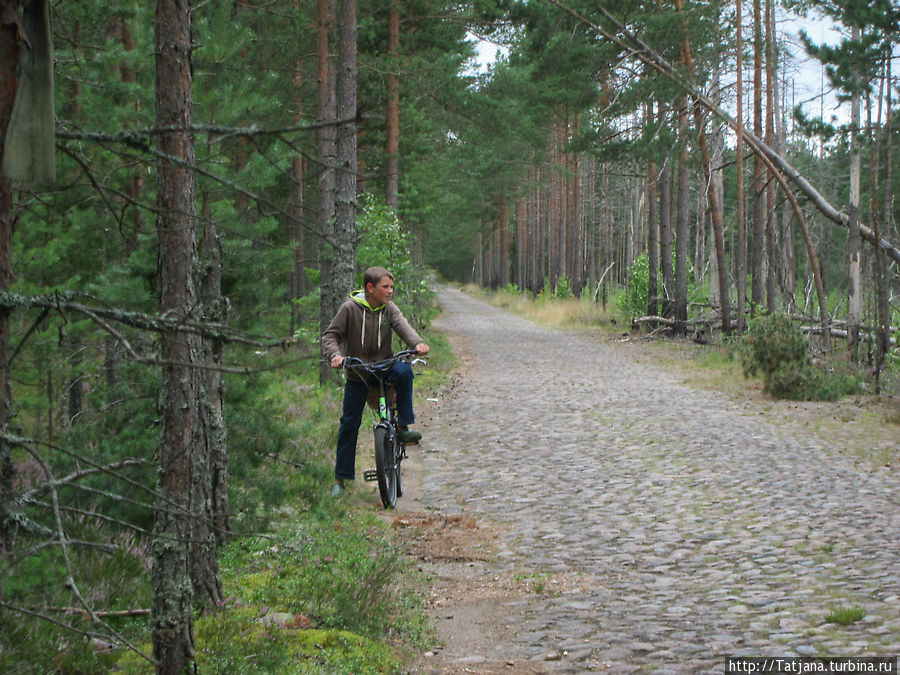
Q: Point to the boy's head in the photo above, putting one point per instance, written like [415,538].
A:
[375,274]
[379,285]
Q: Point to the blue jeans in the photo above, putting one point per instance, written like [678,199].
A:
[355,394]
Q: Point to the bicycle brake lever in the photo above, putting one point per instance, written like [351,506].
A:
[418,361]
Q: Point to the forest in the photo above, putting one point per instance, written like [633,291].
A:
[190,189]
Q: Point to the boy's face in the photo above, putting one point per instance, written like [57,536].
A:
[381,293]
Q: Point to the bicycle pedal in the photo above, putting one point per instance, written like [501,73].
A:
[370,475]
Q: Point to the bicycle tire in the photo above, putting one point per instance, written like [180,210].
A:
[398,448]
[386,469]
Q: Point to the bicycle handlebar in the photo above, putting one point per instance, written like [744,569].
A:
[354,362]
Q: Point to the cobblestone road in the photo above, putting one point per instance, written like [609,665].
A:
[680,529]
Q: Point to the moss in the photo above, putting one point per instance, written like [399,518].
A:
[240,640]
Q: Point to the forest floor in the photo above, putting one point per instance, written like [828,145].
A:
[578,507]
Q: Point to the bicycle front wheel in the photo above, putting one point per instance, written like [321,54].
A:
[386,466]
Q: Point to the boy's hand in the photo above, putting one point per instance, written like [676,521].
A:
[337,361]
[422,349]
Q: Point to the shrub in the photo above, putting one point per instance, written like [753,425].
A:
[776,350]
[636,297]
[564,288]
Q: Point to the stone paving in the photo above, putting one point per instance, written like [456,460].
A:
[684,531]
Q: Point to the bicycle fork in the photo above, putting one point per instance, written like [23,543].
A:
[384,421]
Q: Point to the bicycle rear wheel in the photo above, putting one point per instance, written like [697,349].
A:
[386,466]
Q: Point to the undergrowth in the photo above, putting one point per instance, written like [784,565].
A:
[777,350]
[312,584]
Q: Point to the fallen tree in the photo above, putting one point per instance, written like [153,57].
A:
[640,50]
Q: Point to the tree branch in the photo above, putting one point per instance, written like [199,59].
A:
[640,50]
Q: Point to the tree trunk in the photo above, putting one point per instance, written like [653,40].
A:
[330,298]
[343,243]
[713,197]
[757,240]
[503,243]
[295,225]
[716,141]
[521,243]
[215,309]
[854,304]
[741,257]
[9,59]
[652,234]
[537,236]
[576,219]
[478,263]
[718,225]
[883,309]
[771,256]
[173,643]
[790,174]
[392,143]
[665,237]
[682,210]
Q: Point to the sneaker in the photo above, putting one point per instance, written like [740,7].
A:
[410,436]
[337,490]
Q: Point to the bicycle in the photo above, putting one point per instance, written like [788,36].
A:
[390,450]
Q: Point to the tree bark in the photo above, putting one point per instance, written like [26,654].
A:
[757,240]
[327,112]
[9,58]
[652,233]
[295,225]
[883,310]
[215,310]
[854,303]
[770,214]
[652,240]
[503,243]
[343,240]
[741,257]
[183,548]
[392,143]
[718,225]
[679,307]
[665,236]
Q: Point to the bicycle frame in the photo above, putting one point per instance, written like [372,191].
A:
[390,450]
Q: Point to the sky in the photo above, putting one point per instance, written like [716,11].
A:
[805,75]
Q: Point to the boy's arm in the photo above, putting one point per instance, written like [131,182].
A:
[406,332]
[333,336]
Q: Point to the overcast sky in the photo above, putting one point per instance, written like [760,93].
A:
[804,74]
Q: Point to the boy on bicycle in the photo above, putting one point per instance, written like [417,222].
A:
[362,329]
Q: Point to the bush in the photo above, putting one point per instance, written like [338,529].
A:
[637,295]
[776,350]
[564,288]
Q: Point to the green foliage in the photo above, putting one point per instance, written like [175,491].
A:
[637,295]
[777,350]
[112,573]
[246,641]
[385,242]
[336,573]
[845,616]
[563,288]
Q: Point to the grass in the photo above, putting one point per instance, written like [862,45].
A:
[555,312]
[312,584]
[845,616]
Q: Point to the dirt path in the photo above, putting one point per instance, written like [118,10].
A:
[582,511]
